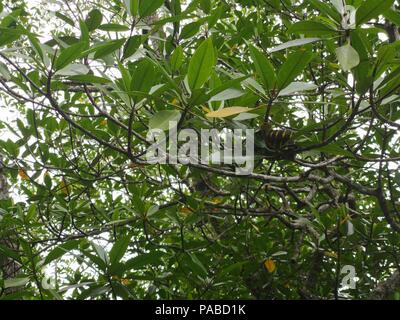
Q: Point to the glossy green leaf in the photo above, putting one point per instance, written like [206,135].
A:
[147,8]
[293,67]
[177,58]
[143,77]
[119,249]
[6,251]
[264,68]
[113,27]
[15,282]
[108,48]
[70,54]
[61,250]
[393,16]
[89,79]
[93,19]
[312,28]
[132,45]
[335,149]
[142,260]
[294,43]
[161,120]
[190,29]
[370,9]
[201,64]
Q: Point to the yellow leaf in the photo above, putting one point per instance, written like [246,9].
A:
[104,122]
[270,265]
[65,188]
[186,210]
[205,109]
[126,282]
[217,200]
[331,254]
[175,102]
[22,174]
[227,112]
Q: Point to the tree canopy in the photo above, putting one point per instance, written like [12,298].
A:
[83,215]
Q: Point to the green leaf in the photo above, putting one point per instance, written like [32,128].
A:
[132,6]
[99,262]
[93,20]
[390,77]
[234,83]
[393,16]
[227,94]
[152,210]
[177,58]
[371,9]
[4,71]
[84,31]
[335,149]
[65,18]
[9,35]
[118,250]
[11,147]
[206,5]
[36,46]
[108,48]
[312,28]
[294,65]
[62,249]
[162,119]
[348,57]
[363,72]
[143,76]
[297,87]
[191,29]
[201,64]
[197,262]
[132,45]
[73,69]
[88,78]
[113,27]
[143,260]
[386,54]
[9,253]
[390,83]
[15,282]
[294,43]
[264,68]
[326,9]
[101,253]
[70,54]
[147,8]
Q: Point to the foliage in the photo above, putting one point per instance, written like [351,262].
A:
[86,81]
